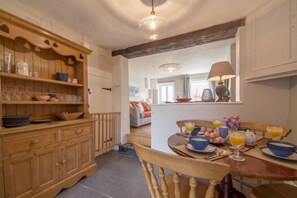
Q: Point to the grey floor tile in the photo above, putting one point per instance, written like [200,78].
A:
[117,176]
[79,191]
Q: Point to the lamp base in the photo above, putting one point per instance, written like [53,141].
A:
[220,91]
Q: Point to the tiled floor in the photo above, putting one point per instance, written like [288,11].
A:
[118,176]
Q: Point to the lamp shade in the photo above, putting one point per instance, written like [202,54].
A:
[221,71]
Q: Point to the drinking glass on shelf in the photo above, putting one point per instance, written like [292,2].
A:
[237,138]
[16,95]
[27,95]
[189,127]
[274,132]
[5,94]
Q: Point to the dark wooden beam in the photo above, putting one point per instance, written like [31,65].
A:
[199,37]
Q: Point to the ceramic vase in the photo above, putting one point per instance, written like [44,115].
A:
[207,95]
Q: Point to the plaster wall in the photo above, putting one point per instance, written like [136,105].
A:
[120,96]
[293,110]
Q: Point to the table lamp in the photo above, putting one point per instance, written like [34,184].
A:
[221,71]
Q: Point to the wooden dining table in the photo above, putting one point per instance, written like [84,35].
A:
[252,167]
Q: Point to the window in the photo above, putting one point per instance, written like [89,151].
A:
[166,92]
[198,84]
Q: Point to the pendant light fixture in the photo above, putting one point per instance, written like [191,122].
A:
[170,67]
[153,26]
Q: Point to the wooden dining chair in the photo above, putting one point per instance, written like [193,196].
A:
[276,190]
[262,128]
[201,123]
[183,181]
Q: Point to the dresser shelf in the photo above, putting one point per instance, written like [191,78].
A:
[28,78]
[40,103]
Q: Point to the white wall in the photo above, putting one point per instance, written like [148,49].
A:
[293,110]
[120,101]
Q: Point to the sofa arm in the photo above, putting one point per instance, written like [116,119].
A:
[135,117]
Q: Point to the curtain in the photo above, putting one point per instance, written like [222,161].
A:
[186,87]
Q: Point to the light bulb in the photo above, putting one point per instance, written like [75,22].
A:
[153,25]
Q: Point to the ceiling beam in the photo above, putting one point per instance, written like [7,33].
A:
[199,37]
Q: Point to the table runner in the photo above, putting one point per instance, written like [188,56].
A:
[184,151]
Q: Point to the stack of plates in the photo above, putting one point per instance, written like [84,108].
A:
[15,121]
[61,76]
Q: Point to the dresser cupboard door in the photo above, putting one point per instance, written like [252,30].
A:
[76,155]
[29,172]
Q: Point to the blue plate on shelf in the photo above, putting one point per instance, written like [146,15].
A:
[41,121]
[267,152]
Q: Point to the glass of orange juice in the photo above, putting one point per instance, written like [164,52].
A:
[217,123]
[274,132]
[236,138]
[189,127]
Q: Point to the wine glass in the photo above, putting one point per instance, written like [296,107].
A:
[274,132]
[189,127]
[217,124]
[237,138]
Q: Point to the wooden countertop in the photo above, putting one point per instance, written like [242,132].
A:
[35,127]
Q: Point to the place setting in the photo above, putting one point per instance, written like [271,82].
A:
[204,143]
[276,150]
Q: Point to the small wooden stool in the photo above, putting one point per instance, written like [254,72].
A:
[274,191]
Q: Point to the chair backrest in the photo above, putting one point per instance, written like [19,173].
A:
[194,168]
[201,123]
[262,128]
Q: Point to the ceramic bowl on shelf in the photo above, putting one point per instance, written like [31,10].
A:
[198,142]
[69,116]
[15,121]
[42,98]
[279,148]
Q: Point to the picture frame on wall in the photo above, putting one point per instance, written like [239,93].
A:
[133,91]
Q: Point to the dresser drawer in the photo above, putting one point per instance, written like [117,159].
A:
[76,131]
[19,143]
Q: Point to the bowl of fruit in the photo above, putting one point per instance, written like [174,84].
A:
[214,137]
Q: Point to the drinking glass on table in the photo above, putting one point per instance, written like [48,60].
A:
[274,132]
[217,124]
[189,127]
[237,138]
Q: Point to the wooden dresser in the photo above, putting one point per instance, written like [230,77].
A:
[38,160]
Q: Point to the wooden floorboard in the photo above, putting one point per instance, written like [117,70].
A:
[141,135]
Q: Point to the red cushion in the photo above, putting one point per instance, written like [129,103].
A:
[145,106]
[147,114]
[134,103]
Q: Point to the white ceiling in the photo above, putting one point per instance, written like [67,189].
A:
[193,60]
[113,24]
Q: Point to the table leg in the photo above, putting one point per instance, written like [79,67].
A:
[226,189]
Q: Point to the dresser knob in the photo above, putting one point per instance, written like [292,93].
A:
[57,164]
[79,131]
[34,141]
[64,161]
